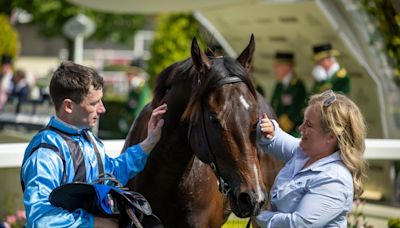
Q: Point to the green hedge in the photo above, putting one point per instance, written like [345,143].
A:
[9,41]
[109,126]
[394,223]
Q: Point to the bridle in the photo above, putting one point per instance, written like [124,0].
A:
[223,185]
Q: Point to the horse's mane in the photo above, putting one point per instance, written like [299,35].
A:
[167,78]
[202,84]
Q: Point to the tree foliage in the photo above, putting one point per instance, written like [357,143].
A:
[9,40]
[173,36]
[387,20]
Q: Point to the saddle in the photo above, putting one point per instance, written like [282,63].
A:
[106,197]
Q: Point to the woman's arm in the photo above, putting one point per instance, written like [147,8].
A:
[325,201]
[273,140]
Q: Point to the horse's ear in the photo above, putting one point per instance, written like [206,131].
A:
[246,57]
[200,60]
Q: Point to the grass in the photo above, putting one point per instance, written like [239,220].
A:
[235,222]
[11,136]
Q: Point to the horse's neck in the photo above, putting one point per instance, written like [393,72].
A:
[171,156]
[174,149]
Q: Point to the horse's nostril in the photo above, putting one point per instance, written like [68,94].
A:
[245,204]
[245,198]
[250,204]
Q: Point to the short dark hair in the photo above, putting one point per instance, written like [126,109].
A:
[325,50]
[20,73]
[6,59]
[73,81]
[281,56]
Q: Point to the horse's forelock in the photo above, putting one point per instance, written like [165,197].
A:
[202,84]
[238,70]
[221,67]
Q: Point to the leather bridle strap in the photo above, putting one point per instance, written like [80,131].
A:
[223,186]
[229,80]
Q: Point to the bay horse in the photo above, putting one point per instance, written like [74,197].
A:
[206,164]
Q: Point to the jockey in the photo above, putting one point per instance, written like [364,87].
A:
[67,151]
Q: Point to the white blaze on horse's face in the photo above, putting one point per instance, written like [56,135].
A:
[258,186]
[244,102]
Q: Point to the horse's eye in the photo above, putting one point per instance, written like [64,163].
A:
[213,119]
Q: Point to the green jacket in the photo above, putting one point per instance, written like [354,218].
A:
[289,103]
[340,81]
[137,99]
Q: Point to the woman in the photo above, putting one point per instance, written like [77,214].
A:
[323,170]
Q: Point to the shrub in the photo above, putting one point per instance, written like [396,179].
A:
[9,41]
[394,223]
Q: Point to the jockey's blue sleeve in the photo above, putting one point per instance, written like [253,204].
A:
[42,172]
[128,164]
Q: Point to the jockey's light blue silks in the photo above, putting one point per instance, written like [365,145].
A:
[327,184]
[42,172]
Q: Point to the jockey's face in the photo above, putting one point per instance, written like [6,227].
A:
[87,113]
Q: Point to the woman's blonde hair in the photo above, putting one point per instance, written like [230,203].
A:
[341,116]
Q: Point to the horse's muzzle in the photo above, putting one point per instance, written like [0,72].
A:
[249,204]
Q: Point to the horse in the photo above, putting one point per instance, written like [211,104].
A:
[206,164]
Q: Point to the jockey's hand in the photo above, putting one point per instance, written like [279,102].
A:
[266,126]
[154,127]
[100,222]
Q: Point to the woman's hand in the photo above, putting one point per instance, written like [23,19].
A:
[267,128]
[154,128]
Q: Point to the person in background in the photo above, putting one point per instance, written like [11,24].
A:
[20,89]
[67,151]
[323,170]
[6,76]
[3,224]
[139,92]
[327,72]
[289,95]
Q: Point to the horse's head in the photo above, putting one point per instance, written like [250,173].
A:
[223,113]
